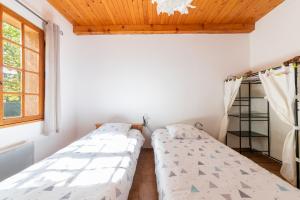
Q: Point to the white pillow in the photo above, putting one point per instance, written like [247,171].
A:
[115,128]
[184,131]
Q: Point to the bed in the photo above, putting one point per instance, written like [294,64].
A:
[207,169]
[96,167]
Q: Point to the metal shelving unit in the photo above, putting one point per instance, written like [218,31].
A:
[250,117]
[255,80]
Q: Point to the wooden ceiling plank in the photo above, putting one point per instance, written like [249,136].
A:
[133,13]
[210,7]
[130,7]
[218,7]
[174,18]
[273,4]
[118,9]
[202,6]
[228,8]
[97,9]
[150,13]
[146,12]
[238,12]
[163,18]
[141,11]
[136,12]
[161,29]
[60,7]
[155,15]
[81,12]
[108,11]
[187,18]
[258,10]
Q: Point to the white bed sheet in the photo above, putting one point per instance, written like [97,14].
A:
[199,169]
[96,167]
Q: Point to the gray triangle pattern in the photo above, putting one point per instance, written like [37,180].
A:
[200,163]
[226,196]
[212,185]
[118,192]
[281,188]
[243,172]
[50,188]
[252,170]
[218,169]
[67,196]
[128,178]
[243,195]
[172,174]
[201,173]
[226,163]
[237,161]
[183,171]
[244,185]
[216,175]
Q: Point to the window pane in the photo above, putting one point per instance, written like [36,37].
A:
[31,38]
[11,28]
[31,61]
[31,83]
[11,55]
[12,105]
[12,80]
[31,105]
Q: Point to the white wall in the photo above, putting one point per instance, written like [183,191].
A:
[44,146]
[276,38]
[171,78]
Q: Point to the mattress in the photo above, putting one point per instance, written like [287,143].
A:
[207,169]
[96,167]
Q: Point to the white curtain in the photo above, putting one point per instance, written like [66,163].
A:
[52,79]
[231,89]
[279,87]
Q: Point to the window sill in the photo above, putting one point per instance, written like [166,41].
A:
[21,123]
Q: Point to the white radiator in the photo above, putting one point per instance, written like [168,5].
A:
[15,158]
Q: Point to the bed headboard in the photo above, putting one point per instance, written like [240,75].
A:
[137,126]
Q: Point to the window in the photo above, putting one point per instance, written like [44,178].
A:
[22,69]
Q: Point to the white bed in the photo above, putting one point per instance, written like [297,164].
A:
[206,169]
[96,167]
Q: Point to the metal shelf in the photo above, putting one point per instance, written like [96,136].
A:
[252,115]
[247,98]
[247,134]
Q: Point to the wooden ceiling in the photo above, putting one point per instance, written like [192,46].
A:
[140,16]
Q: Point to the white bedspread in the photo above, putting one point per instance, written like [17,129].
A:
[96,167]
[198,169]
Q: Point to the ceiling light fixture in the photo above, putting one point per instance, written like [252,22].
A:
[170,6]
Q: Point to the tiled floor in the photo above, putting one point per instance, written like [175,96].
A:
[144,183]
